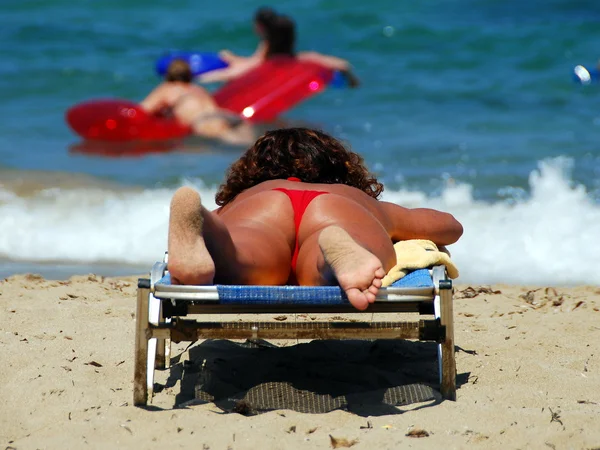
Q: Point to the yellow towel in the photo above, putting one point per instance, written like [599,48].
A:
[417,254]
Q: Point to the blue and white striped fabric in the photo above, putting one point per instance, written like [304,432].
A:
[306,295]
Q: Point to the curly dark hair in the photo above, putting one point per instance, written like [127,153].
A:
[310,155]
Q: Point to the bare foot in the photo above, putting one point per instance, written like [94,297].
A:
[189,260]
[357,270]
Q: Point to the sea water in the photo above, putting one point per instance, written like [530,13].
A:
[465,106]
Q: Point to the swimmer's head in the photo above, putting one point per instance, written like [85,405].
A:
[281,37]
[179,70]
[263,19]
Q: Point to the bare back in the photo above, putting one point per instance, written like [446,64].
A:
[186,101]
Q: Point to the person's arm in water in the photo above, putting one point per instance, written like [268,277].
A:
[231,58]
[228,73]
[422,223]
[333,63]
[155,101]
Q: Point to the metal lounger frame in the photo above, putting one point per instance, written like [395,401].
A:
[160,308]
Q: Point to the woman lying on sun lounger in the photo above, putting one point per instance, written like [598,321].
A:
[297,208]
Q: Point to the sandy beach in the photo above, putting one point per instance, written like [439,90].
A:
[528,361]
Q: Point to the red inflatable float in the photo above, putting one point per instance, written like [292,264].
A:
[121,120]
[272,88]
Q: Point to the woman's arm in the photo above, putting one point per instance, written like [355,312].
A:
[155,101]
[422,223]
[231,58]
[228,73]
[333,63]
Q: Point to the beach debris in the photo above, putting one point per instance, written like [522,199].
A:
[555,416]
[244,408]
[118,285]
[387,427]
[368,426]
[311,430]
[577,305]
[471,292]
[280,318]
[341,442]
[126,428]
[33,277]
[291,429]
[417,433]
[93,363]
[538,298]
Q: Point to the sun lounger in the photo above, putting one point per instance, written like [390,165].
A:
[162,309]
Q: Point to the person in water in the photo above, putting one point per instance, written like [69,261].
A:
[263,20]
[280,41]
[297,208]
[192,105]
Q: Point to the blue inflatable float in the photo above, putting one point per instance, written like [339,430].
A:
[584,76]
[202,62]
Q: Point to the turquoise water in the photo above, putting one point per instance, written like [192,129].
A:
[465,105]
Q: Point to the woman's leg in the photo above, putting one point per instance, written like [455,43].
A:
[249,244]
[343,243]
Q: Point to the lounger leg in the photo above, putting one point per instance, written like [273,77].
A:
[161,347]
[156,317]
[448,385]
[140,387]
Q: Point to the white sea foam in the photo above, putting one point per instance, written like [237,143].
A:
[551,237]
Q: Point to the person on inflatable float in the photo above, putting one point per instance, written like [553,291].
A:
[263,20]
[280,34]
[193,106]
